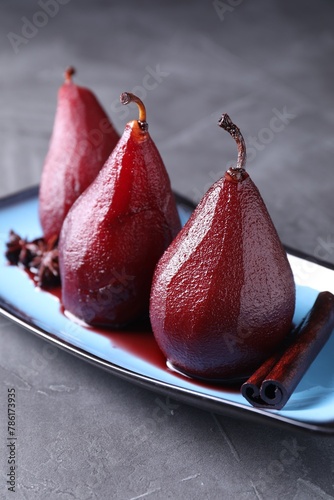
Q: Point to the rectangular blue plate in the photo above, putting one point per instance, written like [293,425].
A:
[134,354]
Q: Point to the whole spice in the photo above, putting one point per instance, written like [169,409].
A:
[37,256]
[272,385]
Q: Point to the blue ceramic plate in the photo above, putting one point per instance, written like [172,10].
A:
[134,354]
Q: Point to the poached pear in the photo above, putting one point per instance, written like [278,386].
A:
[82,140]
[223,293]
[115,233]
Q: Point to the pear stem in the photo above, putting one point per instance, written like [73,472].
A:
[69,72]
[226,123]
[126,98]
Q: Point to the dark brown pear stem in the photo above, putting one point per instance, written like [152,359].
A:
[69,72]
[226,123]
[126,98]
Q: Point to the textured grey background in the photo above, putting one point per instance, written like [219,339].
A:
[83,433]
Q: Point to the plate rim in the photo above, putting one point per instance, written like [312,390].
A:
[188,396]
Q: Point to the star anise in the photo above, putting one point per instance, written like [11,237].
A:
[14,247]
[38,256]
[32,250]
[48,270]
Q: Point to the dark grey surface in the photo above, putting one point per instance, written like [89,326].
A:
[82,433]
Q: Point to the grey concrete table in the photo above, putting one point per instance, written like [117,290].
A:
[85,434]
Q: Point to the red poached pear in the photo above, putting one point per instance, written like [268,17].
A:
[115,233]
[82,140]
[223,293]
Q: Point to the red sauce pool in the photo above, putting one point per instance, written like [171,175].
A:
[138,340]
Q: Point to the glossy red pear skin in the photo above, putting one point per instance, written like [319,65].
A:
[81,142]
[115,233]
[223,294]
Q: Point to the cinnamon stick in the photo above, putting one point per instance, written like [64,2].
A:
[272,385]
